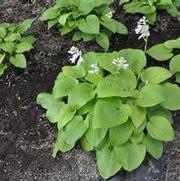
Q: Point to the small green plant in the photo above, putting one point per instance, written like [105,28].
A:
[164,52]
[149,7]
[115,106]
[88,19]
[13,44]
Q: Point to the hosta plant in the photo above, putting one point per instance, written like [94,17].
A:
[86,19]
[115,105]
[149,7]
[13,44]
[164,52]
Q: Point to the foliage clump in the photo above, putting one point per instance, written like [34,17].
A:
[114,105]
[88,19]
[13,44]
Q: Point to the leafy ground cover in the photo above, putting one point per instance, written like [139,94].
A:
[25,136]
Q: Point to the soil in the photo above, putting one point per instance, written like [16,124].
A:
[26,137]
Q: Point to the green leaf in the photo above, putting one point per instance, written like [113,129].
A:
[136,59]
[63,18]
[75,129]
[23,47]
[28,39]
[171,93]
[90,25]
[24,26]
[53,106]
[137,138]
[85,144]
[121,84]
[110,112]
[130,155]
[65,115]
[103,40]
[50,14]
[94,78]
[2,56]
[178,77]
[3,67]
[160,128]
[63,85]
[120,134]
[175,64]
[155,75]
[95,136]
[19,60]
[7,47]
[160,52]
[154,147]
[12,37]
[2,32]
[150,95]
[86,6]
[171,44]
[138,115]
[74,71]
[107,162]
[60,145]
[80,95]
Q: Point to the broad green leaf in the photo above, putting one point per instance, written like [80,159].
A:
[2,32]
[160,128]
[74,71]
[67,29]
[140,129]
[13,37]
[24,26]
[95,136]
[75,129]
[175,64]
[80,95]
[90,25]
[107,162]
[53,106]
[120,134]
[63,18]
[50,14]
[155,75]
[110,112]
[130,155]
[160,52]
[171,44]
[60,145]
[138,115]
[87,107]
[7,47]
[63,85]
[2,56]
[136,59]
[85,144]
[19,60]
[86,6]
[94,78]
[28,39]
[171,92]
[150,95]
[65,115]
[23,47]
[105,143]
[154,147]
[137,138]
[78,35]
[103,40]
[3,67]
[52,22]
[121,84]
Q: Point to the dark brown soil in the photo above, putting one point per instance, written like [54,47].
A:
[26,137]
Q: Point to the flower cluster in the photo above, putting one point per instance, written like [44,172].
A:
[94,69]
[76,53]
[109,15]
[121,63]
[142,29]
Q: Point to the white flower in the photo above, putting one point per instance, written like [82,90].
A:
[121,63]
[142,29]
[109,15]
[94,69]
[76,53]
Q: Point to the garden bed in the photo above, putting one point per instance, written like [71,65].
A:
[26,138]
